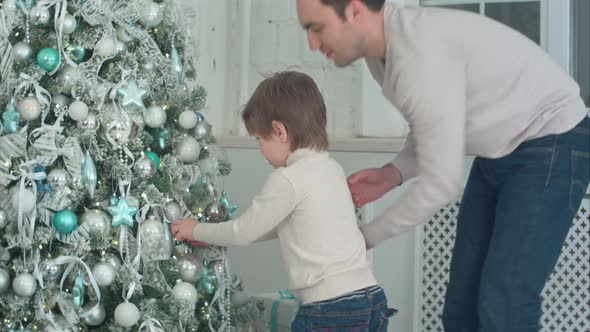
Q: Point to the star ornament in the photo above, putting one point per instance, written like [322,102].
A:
[122,213]
[131,95]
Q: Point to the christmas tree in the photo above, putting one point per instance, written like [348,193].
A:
[102,145]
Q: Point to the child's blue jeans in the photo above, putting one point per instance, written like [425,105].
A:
[364,310]
[514,218]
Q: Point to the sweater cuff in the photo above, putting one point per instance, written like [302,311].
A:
[406,165]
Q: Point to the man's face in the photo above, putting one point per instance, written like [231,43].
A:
[338,39]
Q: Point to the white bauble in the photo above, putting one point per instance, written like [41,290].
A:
[60,100]
[105,47]
[154,116]
[78,110]
[69,25]
[24,285]
[22,52]
[93,314]
[172,211]
[188,150]
[29,108]
[26,197]
[104,273]
[188,119]
[152,229]
[123,35]
[183,291]
[151,14]
[4,281]
[126,314]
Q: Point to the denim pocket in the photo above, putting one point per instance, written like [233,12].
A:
[580,178]
[390,312]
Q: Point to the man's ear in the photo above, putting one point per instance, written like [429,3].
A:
[281,131]
[355,10]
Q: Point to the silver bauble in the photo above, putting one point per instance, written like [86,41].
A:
[123,35]
[29,108]
[91,122]
[3,218]
[22,52]
[201,130]
[40,15]
[58,178]
[216,212]
[151,14]
[78,110]
[144,167]
[69,25]
[104,274]
[96,222]
[154,116]
[67,79]
[4,281]
[52,271]
[119,131]
[190,268]
[188,150]
[126,314]
[172,211]
[24,285]
[183,291]
[60,101]
[93,314]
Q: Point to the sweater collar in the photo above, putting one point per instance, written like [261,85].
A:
[301,154]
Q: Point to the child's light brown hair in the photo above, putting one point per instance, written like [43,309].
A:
[293,99]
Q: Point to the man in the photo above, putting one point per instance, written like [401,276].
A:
[467,84]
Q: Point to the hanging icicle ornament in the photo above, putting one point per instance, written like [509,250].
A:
[89,176]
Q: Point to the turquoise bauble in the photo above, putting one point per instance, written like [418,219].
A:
[65,221]
[48,59]
[155,158]
[77,53]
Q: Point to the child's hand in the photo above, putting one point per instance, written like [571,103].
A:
[182,230]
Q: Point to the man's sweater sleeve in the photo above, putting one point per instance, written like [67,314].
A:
[269,208]
[432,97]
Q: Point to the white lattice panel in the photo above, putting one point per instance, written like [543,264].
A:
[566,297]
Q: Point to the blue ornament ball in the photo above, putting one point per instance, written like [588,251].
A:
[65,221]
[48,59]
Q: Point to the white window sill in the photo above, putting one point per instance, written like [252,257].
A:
[365,144]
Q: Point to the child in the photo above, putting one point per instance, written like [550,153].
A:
[306,203]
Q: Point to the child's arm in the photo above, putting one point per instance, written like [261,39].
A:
[269,208]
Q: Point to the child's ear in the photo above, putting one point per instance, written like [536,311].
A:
[281,131]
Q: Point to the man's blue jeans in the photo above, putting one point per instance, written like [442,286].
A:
[364,310]
[514,217]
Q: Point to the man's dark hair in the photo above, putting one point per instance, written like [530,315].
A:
[340,5]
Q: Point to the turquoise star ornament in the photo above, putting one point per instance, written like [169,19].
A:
[122,213]
[131,96]
[11,118]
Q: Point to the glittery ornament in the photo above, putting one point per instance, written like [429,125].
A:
[78,110]
[151,14]
[11,118]
[183,291]
[154,116]
[29,108]
[215,212]
[78,290]
[58,178]
[104,273]
[188,150]
[96,222]
[190,267]
[24,285]
[22,52]
[40,16]
[144,167]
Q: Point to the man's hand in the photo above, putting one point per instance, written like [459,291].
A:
[372,183]
[182,230]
